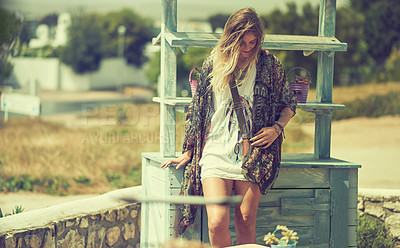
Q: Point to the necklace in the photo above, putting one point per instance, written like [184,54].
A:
[239,75]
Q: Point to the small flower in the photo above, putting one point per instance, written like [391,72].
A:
[283,228]
[270,239]
[288,236]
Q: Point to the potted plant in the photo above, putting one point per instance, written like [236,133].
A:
[299,82]
[288,240]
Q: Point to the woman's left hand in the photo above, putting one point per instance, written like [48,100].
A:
[265,137]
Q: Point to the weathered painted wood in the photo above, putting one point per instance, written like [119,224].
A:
[306,160]
[322,218]
[353,202]
[176,199]
[309,193]
[340,204]
[145,213]
[302,206]
[310,187]
[352,242]
[181,103]
[157,219]
[313,227]
[273,42]
[289,160]
[353,178]
[270,217]
[273,198]
[320,108]
[324,84]
[296,178]
[153,227]
[322,136]
[306,234]
[327,18]
[168,79]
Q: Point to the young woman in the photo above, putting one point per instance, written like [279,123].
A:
[211,158]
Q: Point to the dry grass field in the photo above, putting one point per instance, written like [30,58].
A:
[76,154]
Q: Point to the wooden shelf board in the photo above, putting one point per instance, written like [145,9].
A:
[289,160]
[309,106]
[271,41]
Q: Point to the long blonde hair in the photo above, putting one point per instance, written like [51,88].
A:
[225,55]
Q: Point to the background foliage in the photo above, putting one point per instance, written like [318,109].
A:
[139,31]
[371,56]
[371,28]
[372,233]
[83,52]
[9,29]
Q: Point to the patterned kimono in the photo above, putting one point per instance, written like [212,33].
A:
[271,95]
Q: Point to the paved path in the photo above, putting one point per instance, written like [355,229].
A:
[373,143]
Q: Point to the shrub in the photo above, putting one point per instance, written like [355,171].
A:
[372,106]
[54,185]
[372,234]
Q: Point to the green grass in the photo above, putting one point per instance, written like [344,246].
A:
[50,185]
[371,233]
[16,210]
[83,180]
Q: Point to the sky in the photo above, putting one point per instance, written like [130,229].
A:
[187,9]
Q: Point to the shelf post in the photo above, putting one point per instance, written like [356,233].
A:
[323,122]
[168,80]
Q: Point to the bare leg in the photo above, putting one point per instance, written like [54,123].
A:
[218,215]
[246,212]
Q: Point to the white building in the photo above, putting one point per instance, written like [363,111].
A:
[43,33]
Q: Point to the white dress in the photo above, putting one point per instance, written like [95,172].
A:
[219,158]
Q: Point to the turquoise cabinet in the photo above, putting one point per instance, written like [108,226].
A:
[317,198]
[315,195]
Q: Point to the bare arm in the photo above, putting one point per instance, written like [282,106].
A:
[182,160]
[267,135]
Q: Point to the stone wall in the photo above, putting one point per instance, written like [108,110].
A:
[383,205]
[101,221]
[105,221]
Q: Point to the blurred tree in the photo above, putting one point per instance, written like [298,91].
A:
[50,20]
[381,31]
[294,22]
[185,63]
[9,29]
[218,21]
[362,6]
[153,69]
[349,66]
[83,51]
[25,35]
[139,32]
[393,65]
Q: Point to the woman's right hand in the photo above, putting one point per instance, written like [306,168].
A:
[182,160]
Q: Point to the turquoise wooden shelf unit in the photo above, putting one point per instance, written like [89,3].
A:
[315,195]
